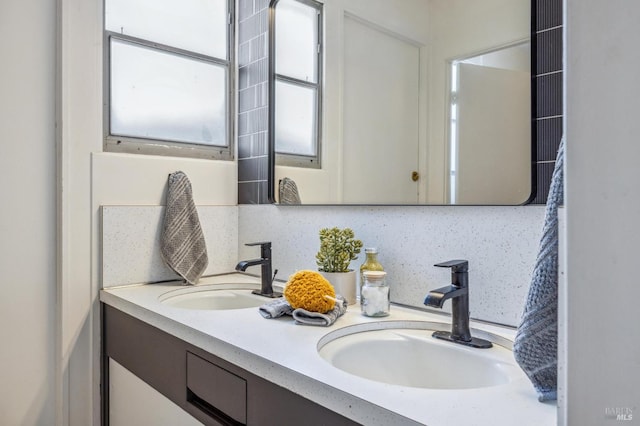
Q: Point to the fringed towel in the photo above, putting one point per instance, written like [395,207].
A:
[289,192]
[536,344]
[182,242]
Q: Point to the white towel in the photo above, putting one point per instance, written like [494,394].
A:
[182,242]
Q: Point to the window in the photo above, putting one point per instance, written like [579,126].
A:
[169,77]
[297,82]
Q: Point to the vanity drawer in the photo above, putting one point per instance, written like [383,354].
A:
[215,390]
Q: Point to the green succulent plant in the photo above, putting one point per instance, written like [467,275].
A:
[338,247]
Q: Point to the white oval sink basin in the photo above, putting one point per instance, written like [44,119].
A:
[213,299]
[409,356]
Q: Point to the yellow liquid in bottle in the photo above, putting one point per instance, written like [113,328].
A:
[370,264]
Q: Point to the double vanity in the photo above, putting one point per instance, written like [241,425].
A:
[207,349]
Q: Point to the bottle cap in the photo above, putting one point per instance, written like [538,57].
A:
[370,250]
[374,275]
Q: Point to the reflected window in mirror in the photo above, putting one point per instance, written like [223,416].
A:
[297,82]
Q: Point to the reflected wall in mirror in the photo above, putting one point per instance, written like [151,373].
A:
[423,102]
[489,110]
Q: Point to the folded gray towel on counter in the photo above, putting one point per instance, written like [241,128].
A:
[182,242]
[280,307]
[276,308]
[536,344]
[302,316]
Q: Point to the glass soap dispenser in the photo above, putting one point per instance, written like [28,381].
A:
[370,264]
[374,297]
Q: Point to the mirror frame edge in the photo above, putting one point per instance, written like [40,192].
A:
[271,149]
[533,40]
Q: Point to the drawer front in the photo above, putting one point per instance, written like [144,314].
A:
[214,389]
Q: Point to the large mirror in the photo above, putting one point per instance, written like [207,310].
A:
[401,101]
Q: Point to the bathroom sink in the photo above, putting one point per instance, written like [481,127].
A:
[213,299]
[406,354]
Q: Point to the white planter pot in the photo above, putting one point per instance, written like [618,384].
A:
[344,283]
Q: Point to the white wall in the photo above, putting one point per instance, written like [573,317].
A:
[601,308]
[28,213]
[88,179]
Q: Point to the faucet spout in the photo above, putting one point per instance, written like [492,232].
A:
[243,265]
[436,298]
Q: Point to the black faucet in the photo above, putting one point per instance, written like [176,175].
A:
[266,287]
[458,292]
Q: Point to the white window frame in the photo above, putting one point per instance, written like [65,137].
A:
[287,159]
[151,146]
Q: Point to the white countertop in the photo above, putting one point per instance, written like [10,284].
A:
[286,354]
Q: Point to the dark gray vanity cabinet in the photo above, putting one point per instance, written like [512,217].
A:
[214,391]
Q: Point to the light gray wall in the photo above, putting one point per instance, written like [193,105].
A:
[602,211]
[27,241]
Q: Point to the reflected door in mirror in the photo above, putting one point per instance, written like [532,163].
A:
[381,88]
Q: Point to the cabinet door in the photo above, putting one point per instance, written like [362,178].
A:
[154,376]
[133,402]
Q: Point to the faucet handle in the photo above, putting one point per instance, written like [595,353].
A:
[265,248]
[265,244]
[455,265]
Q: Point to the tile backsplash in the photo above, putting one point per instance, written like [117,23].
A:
[500,244]
[131,243]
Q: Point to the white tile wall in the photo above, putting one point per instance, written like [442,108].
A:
[499,242]
[131,243]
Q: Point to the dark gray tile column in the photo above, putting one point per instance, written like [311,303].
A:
[253,101]
[547,89]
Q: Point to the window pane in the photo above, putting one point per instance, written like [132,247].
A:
[296,40]
[295,119]
[196,25]
[159,95]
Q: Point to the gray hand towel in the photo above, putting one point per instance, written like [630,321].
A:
[276,308]
[302,316]
[536,344]
[288,192]
[182,242]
